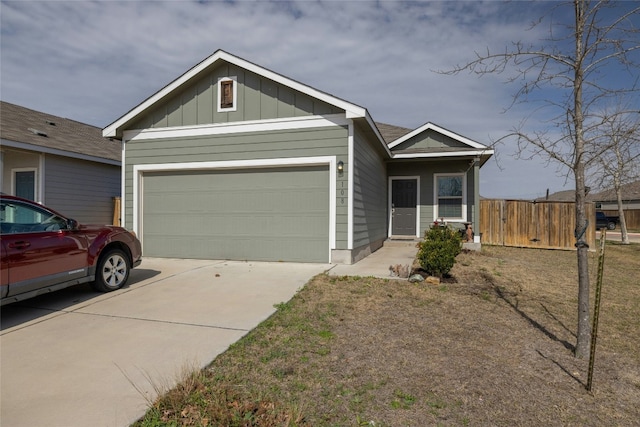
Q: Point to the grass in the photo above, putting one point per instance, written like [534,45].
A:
[491,346]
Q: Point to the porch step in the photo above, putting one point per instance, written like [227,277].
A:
[401,241]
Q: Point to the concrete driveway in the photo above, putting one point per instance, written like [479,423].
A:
[80,358]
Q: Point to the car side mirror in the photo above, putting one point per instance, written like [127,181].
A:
[72,224]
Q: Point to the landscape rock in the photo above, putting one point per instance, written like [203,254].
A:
[433,280]
[416,278]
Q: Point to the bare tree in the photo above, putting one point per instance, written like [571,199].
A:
[572,74]
[618,162]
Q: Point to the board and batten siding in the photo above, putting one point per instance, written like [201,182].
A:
[430,139]
[258,98]
[426,171]
[369,195]
[312,142]
[80,189]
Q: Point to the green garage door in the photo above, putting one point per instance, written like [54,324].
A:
[275,214]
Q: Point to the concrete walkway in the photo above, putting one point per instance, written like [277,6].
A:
[80,358]
[377,264]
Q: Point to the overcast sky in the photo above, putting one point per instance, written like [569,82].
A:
[94,61]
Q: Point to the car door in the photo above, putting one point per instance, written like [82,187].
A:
[4,271]
[38,248]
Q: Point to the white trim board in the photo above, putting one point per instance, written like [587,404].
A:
[350,181]
[234,106]
[444,154]
[306,122]
[443,131]
[464,196]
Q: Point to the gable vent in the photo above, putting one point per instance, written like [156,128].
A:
[37,132]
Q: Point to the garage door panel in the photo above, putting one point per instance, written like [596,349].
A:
[259,214]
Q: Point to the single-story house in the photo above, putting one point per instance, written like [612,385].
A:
[234,161]
[59,162]
[608,200]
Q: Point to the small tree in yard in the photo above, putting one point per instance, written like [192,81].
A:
[572,75]
[618,158]
[439,249]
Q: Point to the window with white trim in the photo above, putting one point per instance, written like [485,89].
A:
[25,183]
[227,94]
[450,197]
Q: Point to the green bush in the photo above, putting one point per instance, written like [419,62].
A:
[439,249]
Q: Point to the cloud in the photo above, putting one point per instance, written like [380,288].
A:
[94,61]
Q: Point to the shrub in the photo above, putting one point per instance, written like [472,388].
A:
[439,249]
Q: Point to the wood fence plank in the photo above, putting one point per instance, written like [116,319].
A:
[521,223]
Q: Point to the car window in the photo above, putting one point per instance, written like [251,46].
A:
[16,217]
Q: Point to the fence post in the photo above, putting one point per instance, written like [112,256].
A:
[116,211]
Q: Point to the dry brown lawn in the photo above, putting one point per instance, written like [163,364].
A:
[492,346]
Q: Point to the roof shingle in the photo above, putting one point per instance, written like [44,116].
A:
[390,133]
[22,125]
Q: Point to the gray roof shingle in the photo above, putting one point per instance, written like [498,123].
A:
[22,125]
[390,133]
[629,191]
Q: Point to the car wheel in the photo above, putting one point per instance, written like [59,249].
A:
[112,271]
[611,226]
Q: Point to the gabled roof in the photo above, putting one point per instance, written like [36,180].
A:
[630,191]
[33,130]
[352,110]
[390,132]
[430,126]
[559,196]
[469,147]
[389,136]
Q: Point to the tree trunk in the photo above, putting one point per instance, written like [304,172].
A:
[583,341]
[584,326]
[623,221]
[618,188]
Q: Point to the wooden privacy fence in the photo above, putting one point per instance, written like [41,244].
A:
[521,223]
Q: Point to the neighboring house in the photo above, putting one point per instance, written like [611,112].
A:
[59,162]
[234,161]
[604,200]
[607,200]
[560,196]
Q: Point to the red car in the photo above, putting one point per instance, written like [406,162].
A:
[42,251]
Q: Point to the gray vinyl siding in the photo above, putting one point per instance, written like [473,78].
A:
[425,170]
[80,189]
[369,193]
[330,141]
[258,98]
